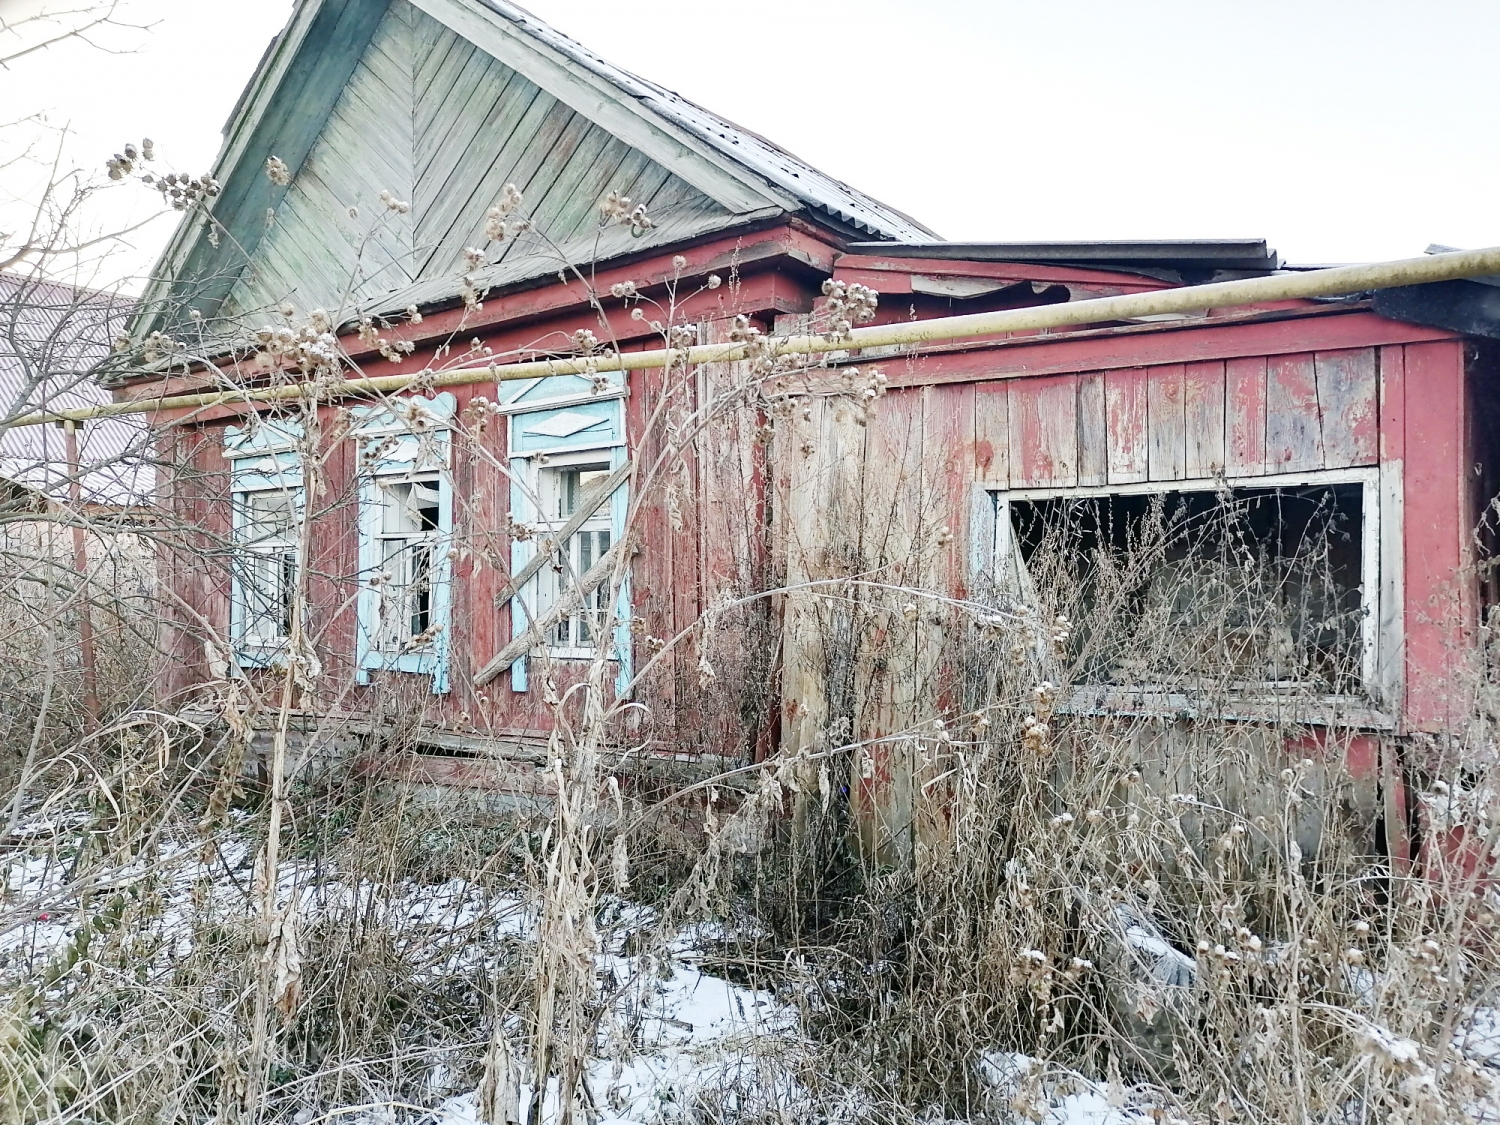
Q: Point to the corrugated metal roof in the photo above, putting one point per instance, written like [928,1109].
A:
[792,174]
[53,340]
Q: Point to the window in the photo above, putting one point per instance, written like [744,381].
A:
[405,538]
[565,439]
[1250,586]
[563,492]
[410,532]
[265,470]
[265,565]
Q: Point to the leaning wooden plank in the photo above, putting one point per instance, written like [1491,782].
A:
[594,577]
[590,505]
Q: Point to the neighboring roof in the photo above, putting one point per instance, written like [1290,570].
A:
[53,339]
[443,102]
[1192,255]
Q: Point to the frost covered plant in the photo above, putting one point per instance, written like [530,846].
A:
[497,221]
[392,203]
[846,305]
[391,350]
[178,190]
[311,348]
[619,210]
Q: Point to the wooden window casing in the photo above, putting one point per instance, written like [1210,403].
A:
[1367,702]
[266,512]
[405,539]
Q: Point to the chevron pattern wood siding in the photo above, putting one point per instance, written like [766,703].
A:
[440,123]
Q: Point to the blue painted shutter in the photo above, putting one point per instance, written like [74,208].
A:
[412,453]
[263,457]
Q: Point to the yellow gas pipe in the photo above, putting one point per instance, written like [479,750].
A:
[1332,282]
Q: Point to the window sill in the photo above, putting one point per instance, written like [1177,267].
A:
[1266,706]
[579,654]
[259,654]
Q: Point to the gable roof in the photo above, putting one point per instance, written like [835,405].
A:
[443,102]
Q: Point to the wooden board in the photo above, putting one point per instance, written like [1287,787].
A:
[1043,426]
[1245,416]
[1093,430]
[1203,402]
[1348,406]
[992,433]
[1294,439]
[1166,423]
[1437,594]
[1125,425]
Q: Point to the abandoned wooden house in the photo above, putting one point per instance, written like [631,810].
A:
[1367,424]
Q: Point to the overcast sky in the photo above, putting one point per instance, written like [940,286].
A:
[1339,130]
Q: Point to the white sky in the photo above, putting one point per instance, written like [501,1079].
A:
[1339,130]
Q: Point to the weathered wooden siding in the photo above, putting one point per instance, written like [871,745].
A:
[1438,602]
[1243,417]
[443,125]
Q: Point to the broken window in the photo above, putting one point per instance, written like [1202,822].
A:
[405,538]
[266,499]
[410,533]
[265,566]
[1236,587]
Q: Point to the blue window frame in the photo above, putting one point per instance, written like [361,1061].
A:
[565,436]
[267,508]
[405,538]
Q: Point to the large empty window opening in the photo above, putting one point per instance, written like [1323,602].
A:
[1235,587]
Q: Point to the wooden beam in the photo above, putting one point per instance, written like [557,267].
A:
[1334,281]
[570,600]
[560,539]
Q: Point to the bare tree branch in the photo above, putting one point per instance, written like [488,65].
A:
[57,26]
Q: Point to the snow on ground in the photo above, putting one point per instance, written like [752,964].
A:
[704,1038]
[676,1034]
[1024,1089]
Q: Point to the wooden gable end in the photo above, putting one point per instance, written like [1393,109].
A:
[440,123]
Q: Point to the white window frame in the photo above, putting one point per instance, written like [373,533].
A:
[396,633]
[1380,566]
[263,457]
[394,451]
[532,450]
[245,613]
[556,578]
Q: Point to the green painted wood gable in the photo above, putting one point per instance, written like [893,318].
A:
[282,111]
[441,123]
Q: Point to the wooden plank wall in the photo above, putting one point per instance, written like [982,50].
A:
[1439,600]
[1243,417]
[444,125]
